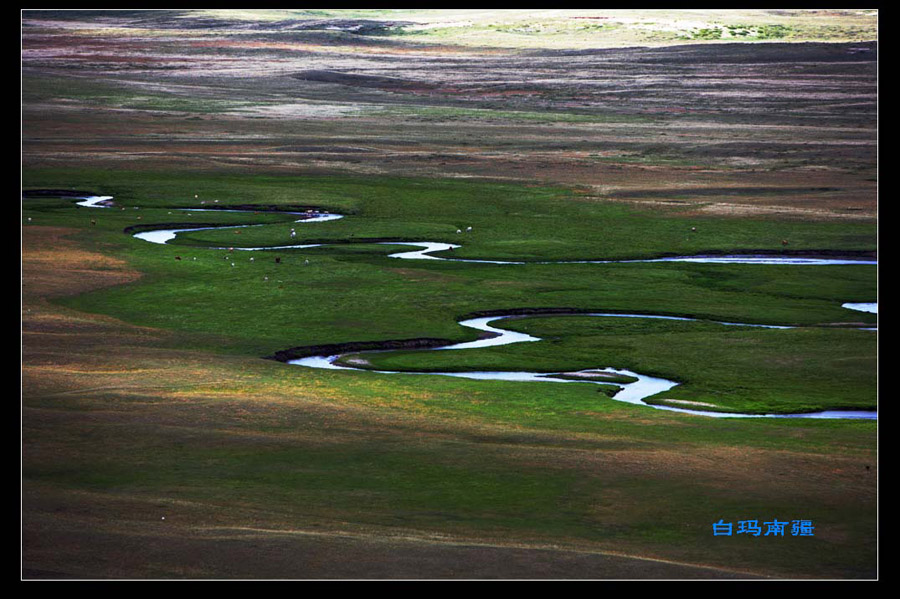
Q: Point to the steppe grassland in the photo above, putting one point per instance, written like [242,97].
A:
[150,399]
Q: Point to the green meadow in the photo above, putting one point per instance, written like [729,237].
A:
[165,435]
[245,439]
[246,303]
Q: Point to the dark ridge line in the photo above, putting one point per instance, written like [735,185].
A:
[561,311]
[331,349]
[769,252]
[56,193]
[276,208]
[145,227]
[138,228]
[653,402]
[305,351]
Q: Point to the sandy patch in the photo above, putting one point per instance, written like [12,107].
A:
[752,210]
[685,402]
[301,110]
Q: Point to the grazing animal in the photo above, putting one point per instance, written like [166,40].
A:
[277,260]
[468,229]
[178,257]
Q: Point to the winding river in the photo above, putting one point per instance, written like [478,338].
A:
[634,392]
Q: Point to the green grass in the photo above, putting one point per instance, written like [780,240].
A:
[230,454]
[192,424]
[738,368]
[353,292]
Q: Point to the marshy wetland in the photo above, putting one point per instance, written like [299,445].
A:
[448,294]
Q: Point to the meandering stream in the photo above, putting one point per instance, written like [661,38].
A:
[635,392]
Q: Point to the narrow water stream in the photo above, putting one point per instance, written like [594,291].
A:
[635,392]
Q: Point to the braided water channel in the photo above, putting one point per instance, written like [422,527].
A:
[635,392]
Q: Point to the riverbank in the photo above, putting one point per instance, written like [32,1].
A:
[209,424]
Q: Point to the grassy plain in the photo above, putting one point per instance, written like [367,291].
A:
[158,443]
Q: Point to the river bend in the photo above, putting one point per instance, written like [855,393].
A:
[634,393]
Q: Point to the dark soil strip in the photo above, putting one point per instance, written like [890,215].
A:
[332,349]
[559,312]
[131,229]
[57,193]
[783,252]
[260,208]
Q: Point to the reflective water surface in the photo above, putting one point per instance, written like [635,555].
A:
[634,392]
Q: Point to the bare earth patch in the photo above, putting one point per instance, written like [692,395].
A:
[685,402]
[53,265]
